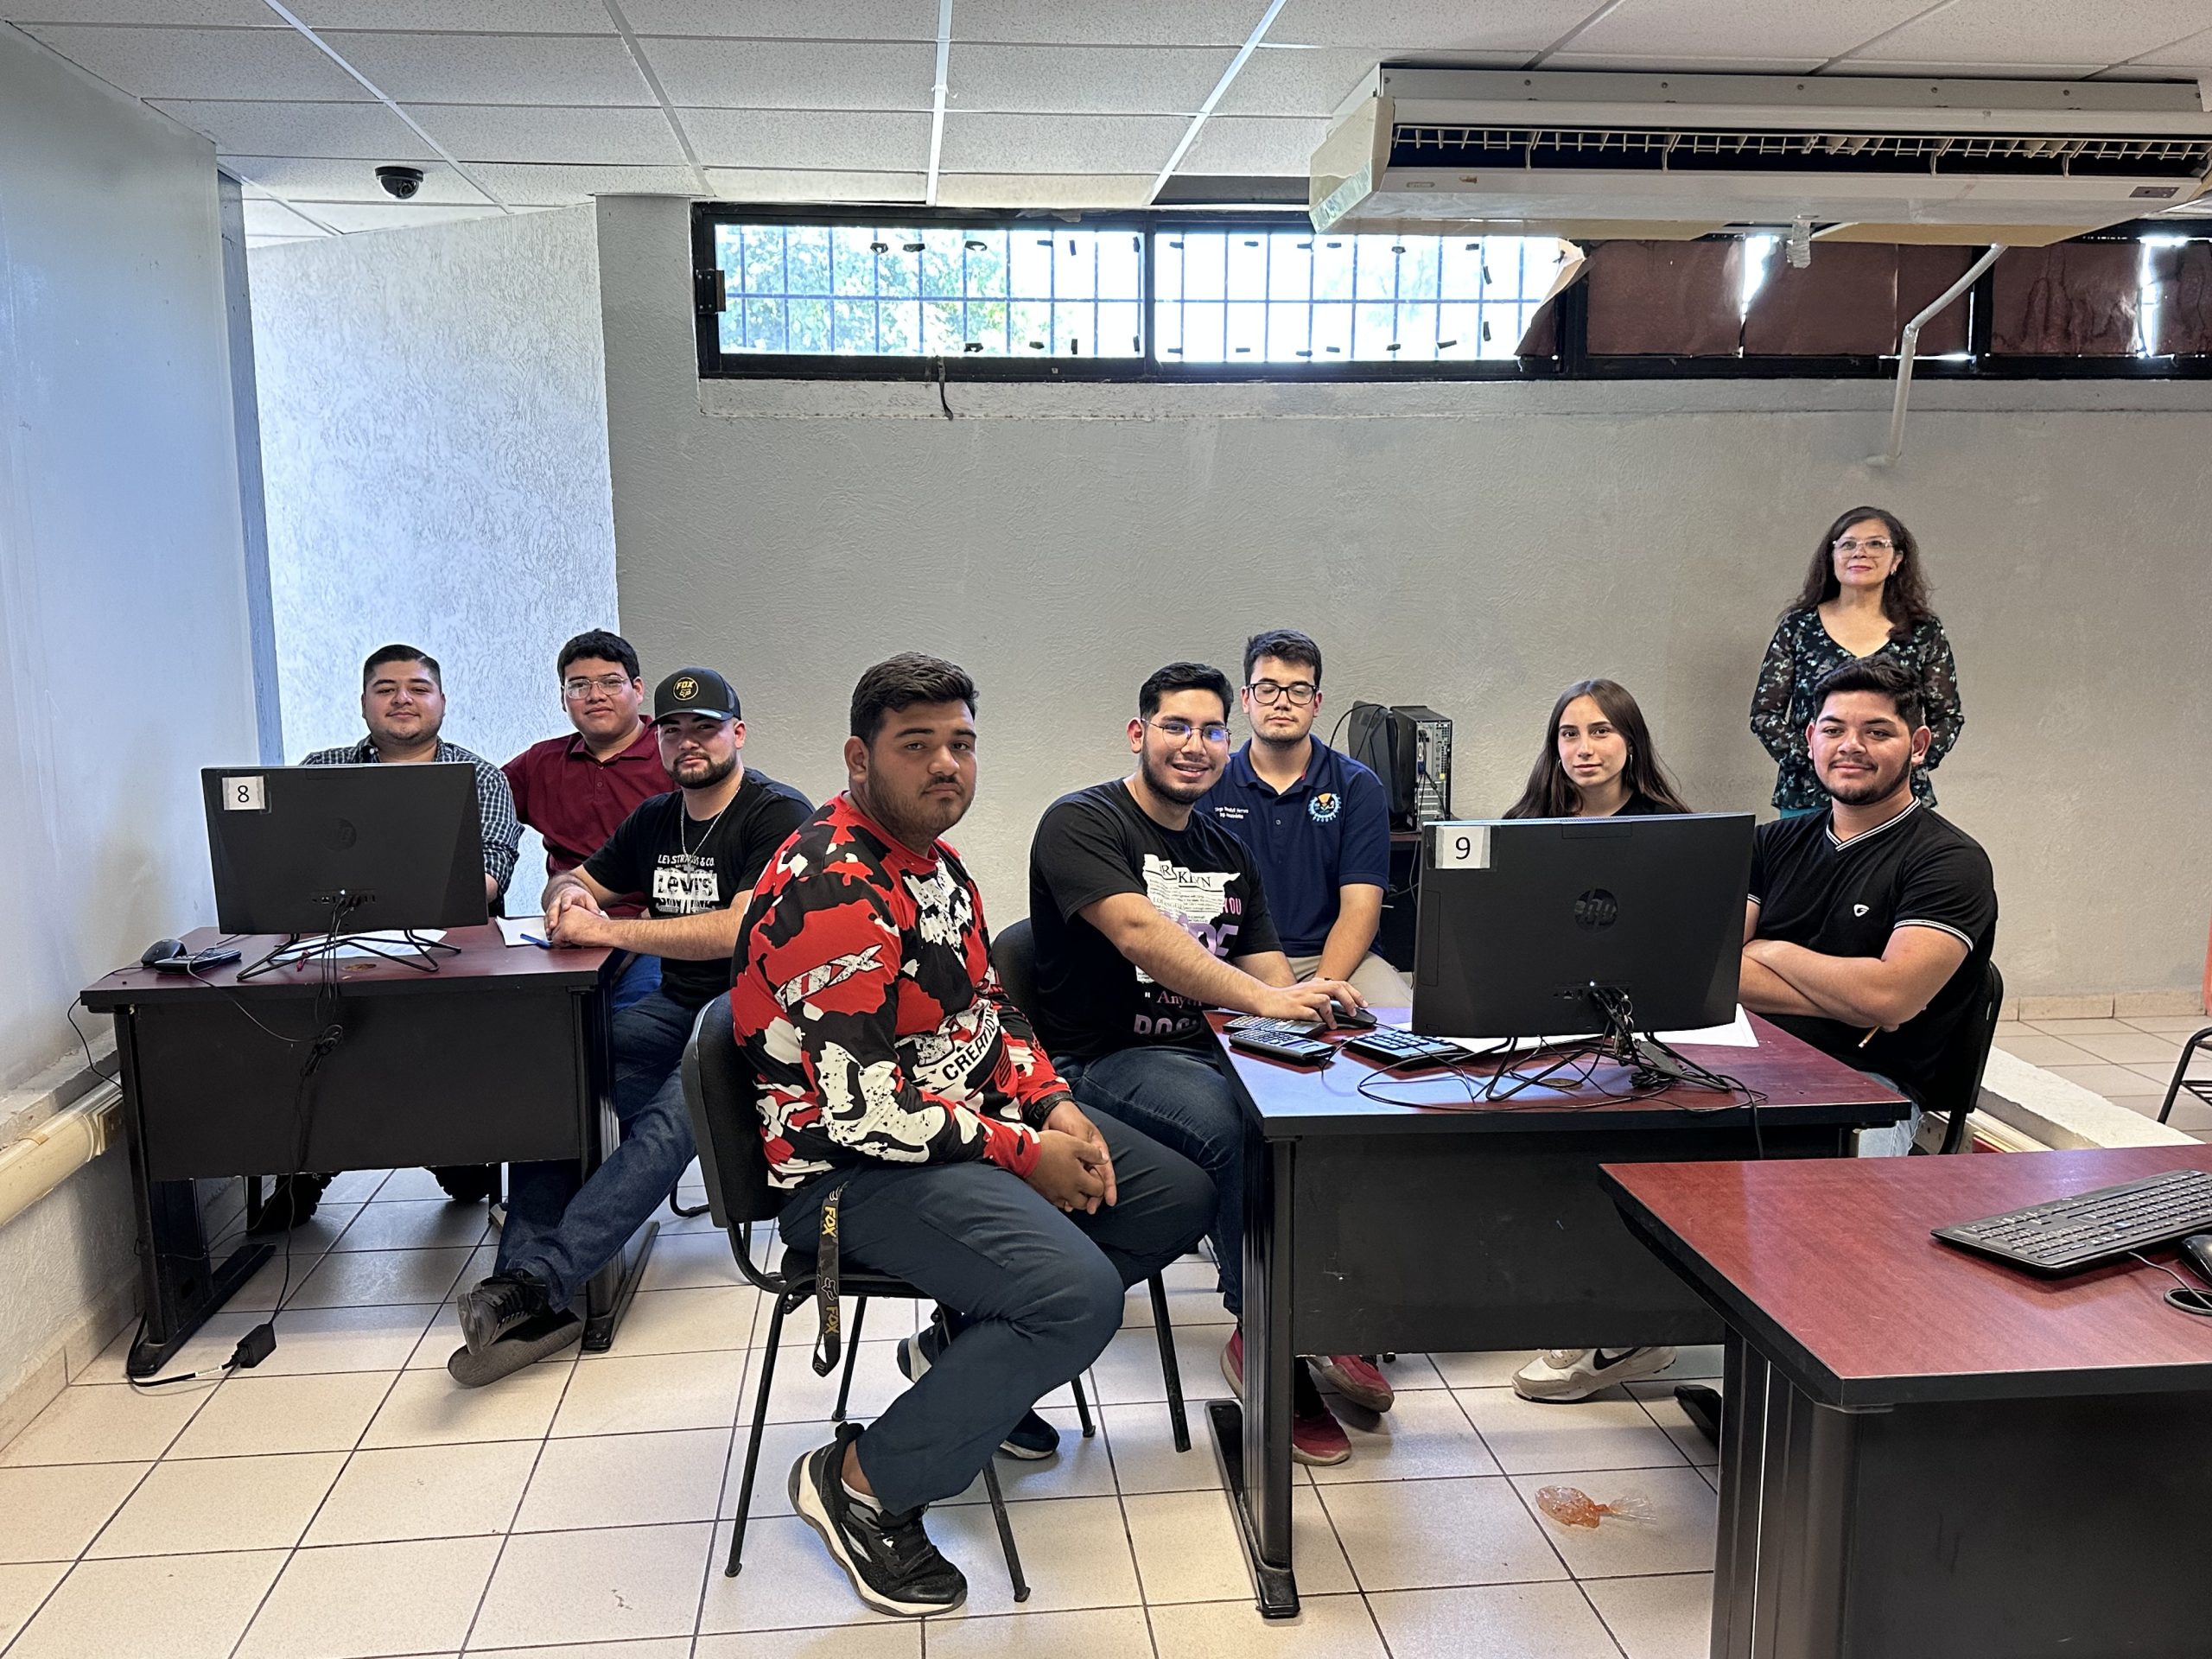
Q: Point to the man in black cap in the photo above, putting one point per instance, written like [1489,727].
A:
[695,855]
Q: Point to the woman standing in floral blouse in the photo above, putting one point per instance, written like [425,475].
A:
[1865,595]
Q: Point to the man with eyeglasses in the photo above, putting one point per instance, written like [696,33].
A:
[1148,913]
[575,791]
[1316,820]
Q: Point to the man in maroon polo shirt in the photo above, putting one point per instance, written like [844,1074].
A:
[576,790]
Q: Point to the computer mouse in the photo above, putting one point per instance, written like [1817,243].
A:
[1357,1018]
[2197,1248]
[161,952]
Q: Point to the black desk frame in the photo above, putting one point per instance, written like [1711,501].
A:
[1383,1232]
[547,1037]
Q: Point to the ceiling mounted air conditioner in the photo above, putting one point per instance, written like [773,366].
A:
[1860,158]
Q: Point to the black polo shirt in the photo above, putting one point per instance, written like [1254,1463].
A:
[1845,898]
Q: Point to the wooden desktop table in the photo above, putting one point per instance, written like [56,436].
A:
[501,1056]
[1924,1452]
[1423,1221]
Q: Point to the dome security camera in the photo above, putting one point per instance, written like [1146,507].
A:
[400,181]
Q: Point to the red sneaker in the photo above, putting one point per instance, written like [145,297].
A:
[1356,1378]
[1232,1362]
[1316,1436]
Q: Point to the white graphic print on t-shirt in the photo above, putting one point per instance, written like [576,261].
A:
[685,884]
[1197,901]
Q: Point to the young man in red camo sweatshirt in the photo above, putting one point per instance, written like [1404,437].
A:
[905,1099]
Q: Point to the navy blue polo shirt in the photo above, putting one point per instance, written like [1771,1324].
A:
[1331,827]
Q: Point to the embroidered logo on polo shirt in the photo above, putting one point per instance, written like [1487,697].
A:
[1324,806]
[1859,910]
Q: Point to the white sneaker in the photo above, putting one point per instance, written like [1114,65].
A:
[1559,1375]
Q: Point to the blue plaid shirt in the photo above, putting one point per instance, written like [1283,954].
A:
[494,801]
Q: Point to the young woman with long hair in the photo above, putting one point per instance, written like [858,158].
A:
[1866,595]
[1598,759]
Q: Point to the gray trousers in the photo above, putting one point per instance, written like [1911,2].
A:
[1040,1291]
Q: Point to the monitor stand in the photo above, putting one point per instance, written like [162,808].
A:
[409,949]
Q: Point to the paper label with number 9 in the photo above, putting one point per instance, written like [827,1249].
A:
[1459,847]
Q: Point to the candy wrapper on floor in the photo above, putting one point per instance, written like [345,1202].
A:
[1572,1507]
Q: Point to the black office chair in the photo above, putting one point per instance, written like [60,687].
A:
[1013,954]
[2201,1087]
[718,1089]
[1955,1087]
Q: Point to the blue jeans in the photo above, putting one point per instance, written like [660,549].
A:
[561,1233]
[639,979]
[1040,1292]
[1182,1098]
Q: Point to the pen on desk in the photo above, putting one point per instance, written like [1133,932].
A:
[547,944]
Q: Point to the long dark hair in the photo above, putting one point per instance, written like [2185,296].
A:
[1552,794]
[1904,595]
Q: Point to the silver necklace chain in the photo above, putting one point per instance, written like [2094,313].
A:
[683,828]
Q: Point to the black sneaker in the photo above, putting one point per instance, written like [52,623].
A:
[291,1200]
[893,1566]
[1032,1440]
[492,1308]
[468,1183]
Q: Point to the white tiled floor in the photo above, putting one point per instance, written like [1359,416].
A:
[346,1501]
[2129,1062]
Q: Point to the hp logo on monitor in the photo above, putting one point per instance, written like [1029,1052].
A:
[1596,908]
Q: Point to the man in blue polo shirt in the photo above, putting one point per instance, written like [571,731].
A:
[1316,822]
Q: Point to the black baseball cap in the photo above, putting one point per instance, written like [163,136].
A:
[695,691]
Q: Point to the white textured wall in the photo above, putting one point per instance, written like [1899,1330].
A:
[123,658]
[433,433]
[1472,547]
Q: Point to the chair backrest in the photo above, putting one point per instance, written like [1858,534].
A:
[1956,1086]
[719,1090]
[1013,953]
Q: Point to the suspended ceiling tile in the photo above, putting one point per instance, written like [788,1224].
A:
[1943,69]
[529,184]
[2059,33]
[1300,80]
[819,20]
[2195,53]
[204,63]
[508,133]
[747,185]
[1059,190]
[1526,27]
[242,14]
[363,131]
[1079,145]
[1254,146]
[793,74]
[1689,33]
[252,243]
[497,69]
[304,179]
[1684,63]
[488,16]
[1126,23]
[866,140]
[1083,79]
[348,217]
[267,218]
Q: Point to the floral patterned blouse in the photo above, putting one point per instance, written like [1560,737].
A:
[1801,654]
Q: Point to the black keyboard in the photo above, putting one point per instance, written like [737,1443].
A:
[2068,1233]
[1394,1045]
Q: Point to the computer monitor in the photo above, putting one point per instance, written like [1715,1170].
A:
[1519,918]
[403,843]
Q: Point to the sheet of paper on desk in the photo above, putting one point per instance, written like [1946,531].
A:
[522,930]
[388,936]
[1737,1034]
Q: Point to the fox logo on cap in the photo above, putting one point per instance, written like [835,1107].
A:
[686,688]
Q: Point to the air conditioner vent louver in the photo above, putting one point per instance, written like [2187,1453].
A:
[1661,150]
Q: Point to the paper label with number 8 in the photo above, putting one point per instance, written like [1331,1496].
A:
[244,794]
[1459,847]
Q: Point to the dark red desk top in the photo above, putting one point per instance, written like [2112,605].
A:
[1827,1266]
[1801,1086]
[485,960]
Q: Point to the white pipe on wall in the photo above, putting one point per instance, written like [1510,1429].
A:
[34,1166]
[1911,345]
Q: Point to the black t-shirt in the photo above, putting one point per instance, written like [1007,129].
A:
[1844,899]
[1091,999]
[686,869]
